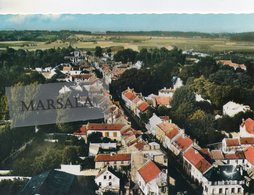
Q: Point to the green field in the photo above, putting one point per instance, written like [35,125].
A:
[135,42]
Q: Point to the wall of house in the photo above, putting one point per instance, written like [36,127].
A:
[115,164]
[108,181]
[222,189]
[114,135]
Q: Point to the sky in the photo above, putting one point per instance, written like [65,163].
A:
[124,6]
[165,15]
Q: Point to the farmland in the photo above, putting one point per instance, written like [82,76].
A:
[135,42]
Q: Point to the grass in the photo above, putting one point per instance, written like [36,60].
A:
[135,43]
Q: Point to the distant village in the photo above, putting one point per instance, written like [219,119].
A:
[135,161]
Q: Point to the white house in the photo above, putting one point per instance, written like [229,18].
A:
[151,179]
[177,82]
[152,123]
[232,108]
[107,180]
[223,179]
[166,92]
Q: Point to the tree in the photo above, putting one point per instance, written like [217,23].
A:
[98,51]
[70,155]
[94,137]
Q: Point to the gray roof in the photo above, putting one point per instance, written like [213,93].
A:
[224,173]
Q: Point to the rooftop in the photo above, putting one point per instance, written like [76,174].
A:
[249,154]
[112,157]
[249,125]
[197,160]
[149,171]
[224,173]
[183,143]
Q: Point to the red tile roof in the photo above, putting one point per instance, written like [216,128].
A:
[197,160]
[249,125]
[172,133]
[104,126]
[112,157]
[183,143]
[167,126]
[236,155]
[249,154]
[143,106]
[232,142]
[140,145]
[163,100]
[217,155]
[129,94]
[82,130]
[149,171]
[247,140]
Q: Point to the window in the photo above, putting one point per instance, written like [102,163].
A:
[115,134]
[99,183]
[233,190]
[239,190]
[109,177]
[220,190]
[106,134]
[110,184]
[105,177]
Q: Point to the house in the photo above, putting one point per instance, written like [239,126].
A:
[152,123]
[161,101]
[166,92]
[236,144]
[115,160]
[223,179]
[81,77]
[247,128]
[230,145]
[231,64]
[112,131]
[128,96]
[249,155]
[177,82]
[232,108]
[195,164]
[199,98]
[180,144]
[172,136]
[107,180]
[151,179]
[58,182]
[164,128]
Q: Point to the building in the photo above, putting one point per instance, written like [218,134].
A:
[151,179]
[112,131]
[247,128]
[152,124]
[180,144]
[195,164]
[232,108]
[117,161]
[249,155]
[223,179]
[236,144]
[163,129]
[58,182]
[231,64]
[166,92]
[107,180]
